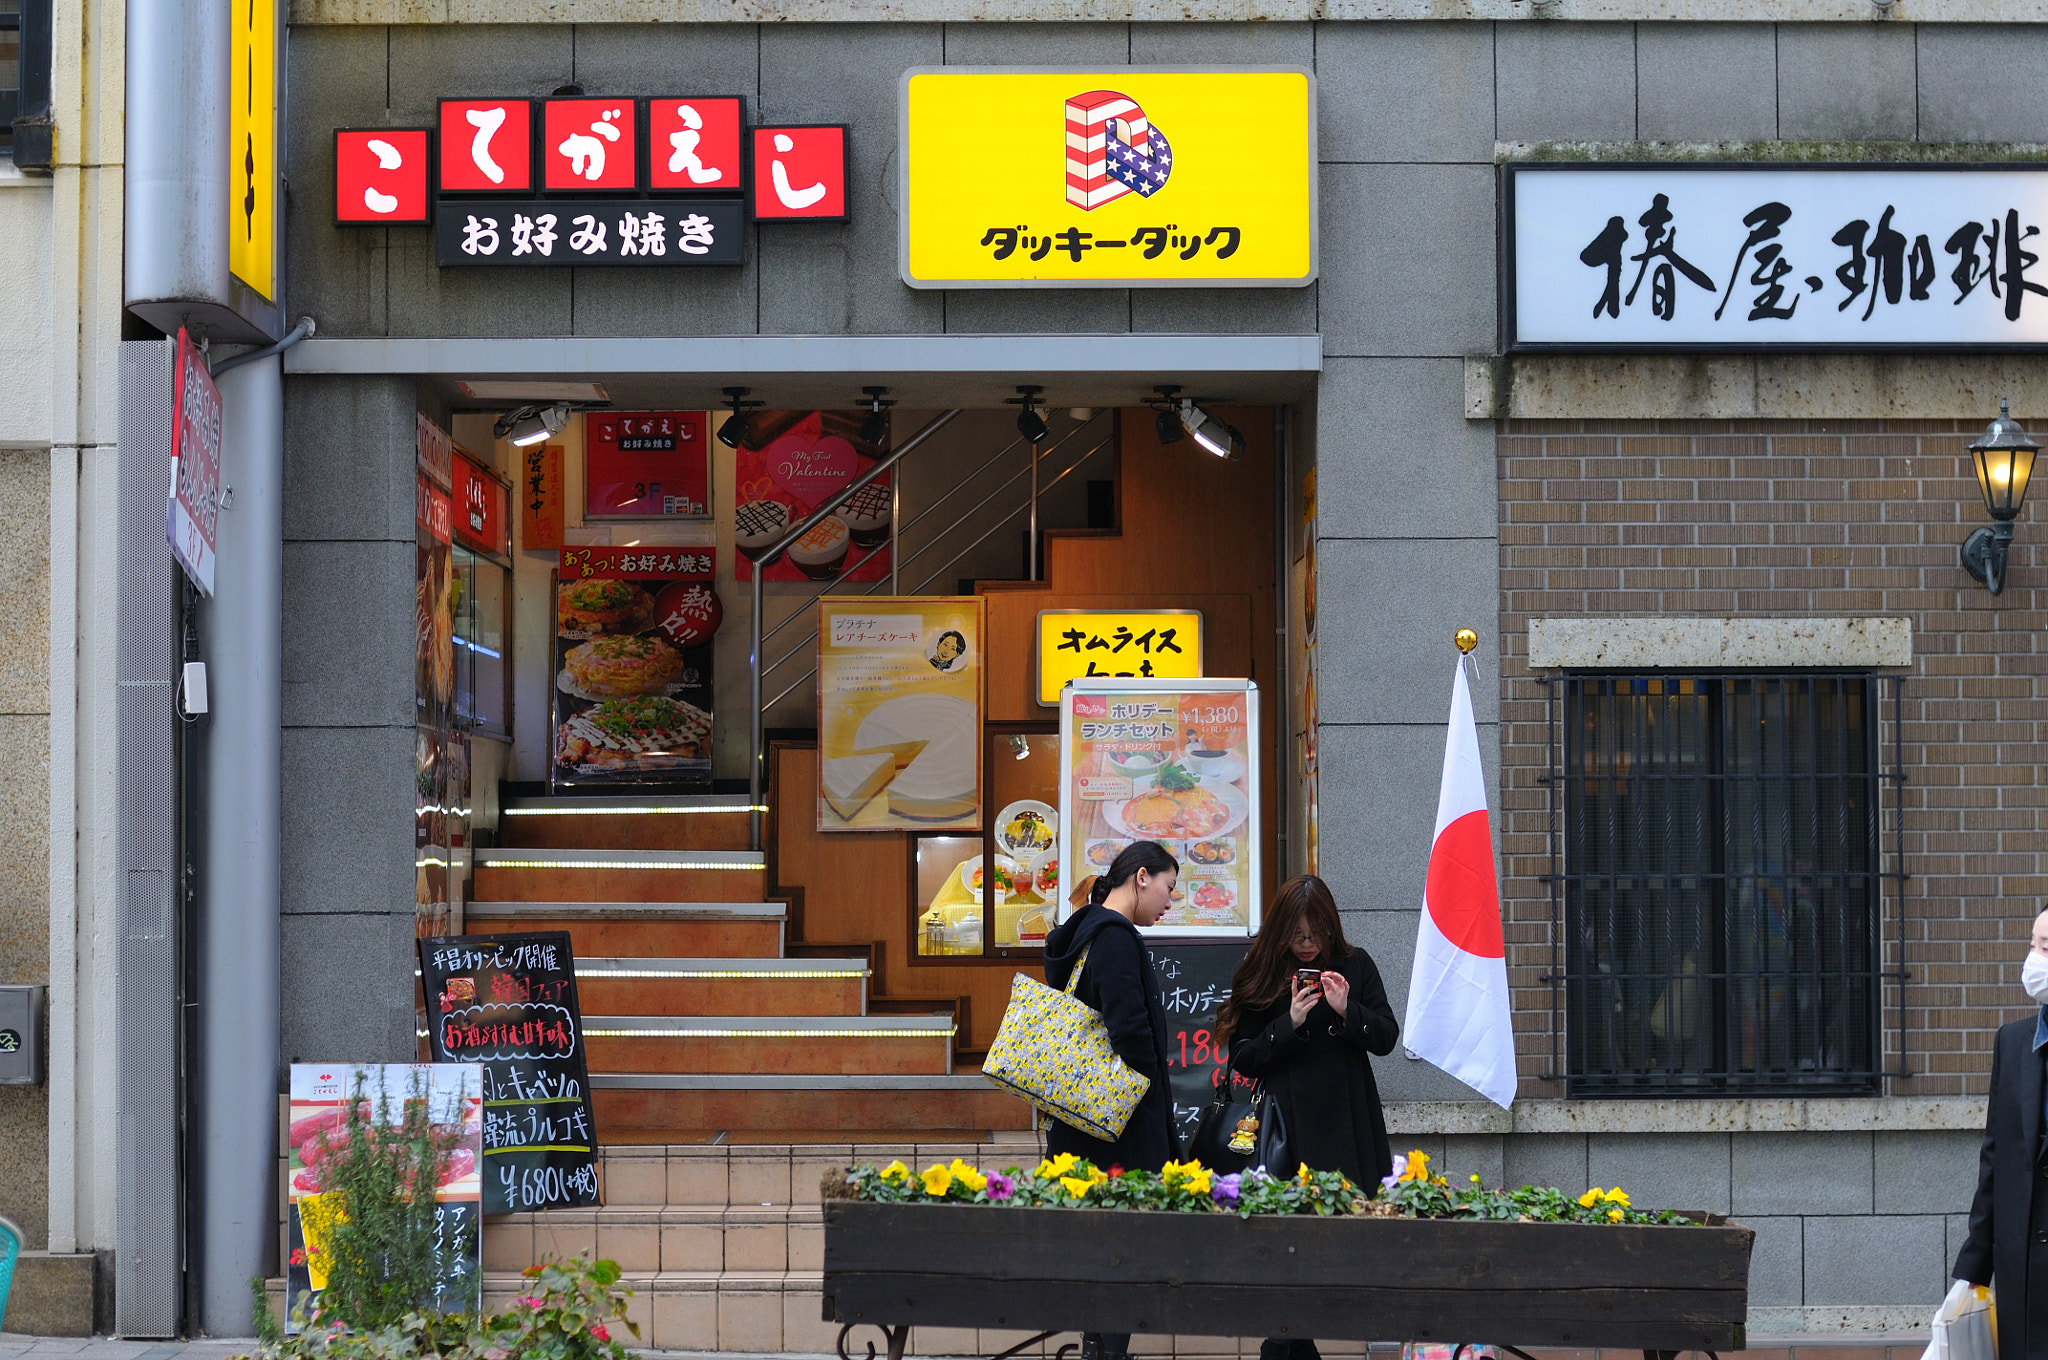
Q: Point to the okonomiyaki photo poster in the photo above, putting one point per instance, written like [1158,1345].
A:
[900,701]
[792,462]
[632,691]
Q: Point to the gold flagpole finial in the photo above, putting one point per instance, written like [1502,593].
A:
[1466,639]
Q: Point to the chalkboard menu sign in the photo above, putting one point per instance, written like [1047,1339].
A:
[508,1002]
[1194,982]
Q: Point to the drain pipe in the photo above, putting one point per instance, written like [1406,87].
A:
[296,334]
[757,757]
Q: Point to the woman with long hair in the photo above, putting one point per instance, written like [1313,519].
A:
[1117,980]
[1307,1042]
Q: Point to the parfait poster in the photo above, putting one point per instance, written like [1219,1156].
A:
[790,464]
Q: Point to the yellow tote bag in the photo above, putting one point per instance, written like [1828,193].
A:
[1053,1050]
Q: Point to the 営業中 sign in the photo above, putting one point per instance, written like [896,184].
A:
[1752,256]
[1137,177]
[195,465]
[1143,644]
[508,1003]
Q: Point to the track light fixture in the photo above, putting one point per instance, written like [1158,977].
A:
[527,425]
[1166,425]
[875,428]
[733,431]
[1030,424]
[1218,437]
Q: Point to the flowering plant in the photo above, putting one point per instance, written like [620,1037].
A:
[1066,1181]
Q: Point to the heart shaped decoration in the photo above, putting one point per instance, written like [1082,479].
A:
[810,467]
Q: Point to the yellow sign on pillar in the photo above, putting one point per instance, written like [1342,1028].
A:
[1129,178]
[252,146]
[1139,644]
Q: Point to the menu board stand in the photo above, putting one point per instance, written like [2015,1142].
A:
[1171,761]
[508,1002]
[1194,982]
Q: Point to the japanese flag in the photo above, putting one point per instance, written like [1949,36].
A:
[1458,994]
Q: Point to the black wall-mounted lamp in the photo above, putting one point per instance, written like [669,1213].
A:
[2004,458]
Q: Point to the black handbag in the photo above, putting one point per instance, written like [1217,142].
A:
[1237,1132]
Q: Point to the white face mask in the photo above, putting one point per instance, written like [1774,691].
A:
[2034,976]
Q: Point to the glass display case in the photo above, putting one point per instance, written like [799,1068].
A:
[995,895]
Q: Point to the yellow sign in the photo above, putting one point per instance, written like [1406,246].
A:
[252,146]
[1142,644]
[1129,178]
[900,707]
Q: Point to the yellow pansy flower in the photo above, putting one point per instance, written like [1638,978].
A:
[1056,1166]
[1079,1186]
[1417,1168]
[1615,1196]
[896,1171]
[937,1179]
[967,1175]
[1196,1182]
[1614,1215]
[1303,1174]
[1590,1198]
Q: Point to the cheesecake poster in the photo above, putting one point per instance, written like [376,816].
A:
[632,682]
[790,464]
[900,702]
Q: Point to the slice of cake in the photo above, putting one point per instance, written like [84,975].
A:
[850,781]
[938,783]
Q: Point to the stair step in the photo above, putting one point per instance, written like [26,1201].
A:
[690,822]
[722,986]
[765,1175]
[637,1105]
[624,929]
[734,1044]
[553,874]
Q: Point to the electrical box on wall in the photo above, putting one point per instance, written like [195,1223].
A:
[21,1036]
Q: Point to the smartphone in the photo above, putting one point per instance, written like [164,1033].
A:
[1313,977]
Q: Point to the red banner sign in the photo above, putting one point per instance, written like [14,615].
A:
[195,465]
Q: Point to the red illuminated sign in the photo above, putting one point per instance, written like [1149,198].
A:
[380,175]
[589,144]
[643,464]
[479,507]
[800,173]
[486,144]
[693,143]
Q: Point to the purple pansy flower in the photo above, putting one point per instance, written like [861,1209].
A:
[1000,1187]
[1400,1168]
[1226,1188]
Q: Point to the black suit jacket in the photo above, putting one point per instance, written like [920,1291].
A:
[2000,1226]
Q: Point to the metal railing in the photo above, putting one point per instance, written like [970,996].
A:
[802,609]
[1717,882]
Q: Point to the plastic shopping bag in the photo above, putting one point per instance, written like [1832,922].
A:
[1965,1326]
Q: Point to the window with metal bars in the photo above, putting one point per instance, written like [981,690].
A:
[25,125]
[1716,856]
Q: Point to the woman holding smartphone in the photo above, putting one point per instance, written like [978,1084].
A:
[1305,1009]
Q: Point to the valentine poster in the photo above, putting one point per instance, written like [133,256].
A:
[632,691]
[791,463]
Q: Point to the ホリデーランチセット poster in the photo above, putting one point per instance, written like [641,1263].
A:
[899,713]
[632,668]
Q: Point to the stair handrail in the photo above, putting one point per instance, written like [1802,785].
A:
[758,756]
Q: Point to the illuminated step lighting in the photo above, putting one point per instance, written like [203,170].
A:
[629,811]
[495,863]
[772,975]
[666,1033]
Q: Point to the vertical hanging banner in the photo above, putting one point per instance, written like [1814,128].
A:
[508,1003]
[195,465]
[384,1094]
[632,691]
[900,704]
[252,144]
[791,463]
[541,498]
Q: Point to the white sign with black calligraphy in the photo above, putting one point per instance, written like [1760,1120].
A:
[1752,257]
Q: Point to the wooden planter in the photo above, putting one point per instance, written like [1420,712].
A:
[1359,1279]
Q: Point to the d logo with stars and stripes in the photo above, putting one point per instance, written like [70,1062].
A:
[1112,150]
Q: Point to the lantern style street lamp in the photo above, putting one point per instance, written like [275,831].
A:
[2004,456]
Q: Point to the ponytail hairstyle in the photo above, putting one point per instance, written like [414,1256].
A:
[1150,856]
[1261,980]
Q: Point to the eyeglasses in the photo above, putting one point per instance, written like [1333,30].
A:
[1308,938]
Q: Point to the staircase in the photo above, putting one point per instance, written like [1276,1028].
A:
[731,1066]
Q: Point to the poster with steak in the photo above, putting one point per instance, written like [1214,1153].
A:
[632,690]
[788,466]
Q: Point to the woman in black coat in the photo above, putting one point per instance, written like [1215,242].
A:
[1118,981]
[1307,1042]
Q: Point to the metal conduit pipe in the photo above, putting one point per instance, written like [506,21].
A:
[757,757]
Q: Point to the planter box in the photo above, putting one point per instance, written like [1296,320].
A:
[1358,1279]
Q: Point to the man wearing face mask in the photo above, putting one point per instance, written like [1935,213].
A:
[2008,1239]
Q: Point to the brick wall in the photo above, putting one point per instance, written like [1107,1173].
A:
[1790,519]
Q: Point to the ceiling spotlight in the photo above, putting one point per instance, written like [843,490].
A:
[1030,424]
[528,425]
[1212,434]
[1020,747]
[734,431]
[874,430]
[1166,425]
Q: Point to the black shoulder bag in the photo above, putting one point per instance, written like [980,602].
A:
[1241,1131]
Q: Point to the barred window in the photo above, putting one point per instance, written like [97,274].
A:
[1720,882]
